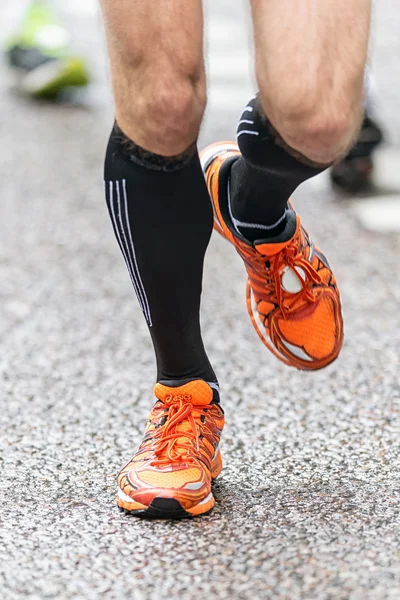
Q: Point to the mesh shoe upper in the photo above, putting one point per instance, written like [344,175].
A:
[178,456]
[292,295]
[293,298]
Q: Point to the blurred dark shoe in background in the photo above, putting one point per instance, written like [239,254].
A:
[353,174]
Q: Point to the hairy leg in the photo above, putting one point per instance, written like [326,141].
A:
[156,194]
[310,58]
[156,55]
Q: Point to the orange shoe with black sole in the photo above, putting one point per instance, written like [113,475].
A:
[292,296]
[171,474]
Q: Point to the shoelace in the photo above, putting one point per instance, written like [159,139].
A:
[260,275]
[166,437]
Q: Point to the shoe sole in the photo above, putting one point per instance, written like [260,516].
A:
[170,508]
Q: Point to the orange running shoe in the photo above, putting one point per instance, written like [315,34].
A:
[292,296]
[170,475]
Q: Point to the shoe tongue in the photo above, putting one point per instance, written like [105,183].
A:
[268,249]
[273,245]
[196,392]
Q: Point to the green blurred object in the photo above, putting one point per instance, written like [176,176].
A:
[40,51]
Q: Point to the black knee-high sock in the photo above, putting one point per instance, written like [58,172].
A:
[263,179]
[162,218]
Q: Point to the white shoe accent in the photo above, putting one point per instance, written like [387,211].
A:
[38,79]
[247,131]
[194,486]
[124,497]
[299,352]
[209,497]
[290,281]
[312,251]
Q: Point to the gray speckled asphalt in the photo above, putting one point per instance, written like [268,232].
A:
[308,502]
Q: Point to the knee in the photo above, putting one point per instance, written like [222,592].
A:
[320,137]
[162,109]
[320,130]
[173,112]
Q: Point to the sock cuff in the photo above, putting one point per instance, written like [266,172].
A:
[266,132]
[132,152]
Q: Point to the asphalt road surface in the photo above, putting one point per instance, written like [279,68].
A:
[308,502]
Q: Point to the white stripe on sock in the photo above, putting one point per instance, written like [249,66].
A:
[236,223]
[124,248]
[139,287]
[134,254]
[117,233]
[258,225]
[245,121]
[248,132]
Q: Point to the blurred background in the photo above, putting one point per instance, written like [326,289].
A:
[308,504]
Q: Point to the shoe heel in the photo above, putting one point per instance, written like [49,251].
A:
[217,465]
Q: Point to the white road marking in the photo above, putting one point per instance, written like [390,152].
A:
[380,213]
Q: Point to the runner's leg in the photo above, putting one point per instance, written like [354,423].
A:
[310,59]
[162,218]
[155,189]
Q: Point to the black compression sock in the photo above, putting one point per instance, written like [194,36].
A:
[265,177]
[162,218]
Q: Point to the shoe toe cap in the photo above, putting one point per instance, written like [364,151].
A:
[315,337]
